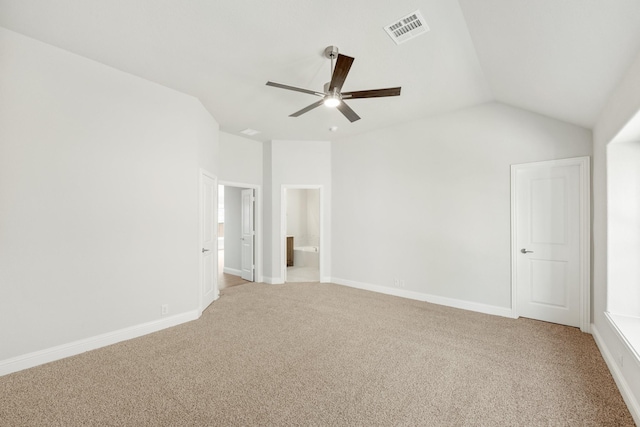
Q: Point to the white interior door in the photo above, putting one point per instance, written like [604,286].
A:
[547,244]
[208,239]
[248,235]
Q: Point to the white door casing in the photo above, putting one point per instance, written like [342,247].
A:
[550,241]
[208,240]
[248,234]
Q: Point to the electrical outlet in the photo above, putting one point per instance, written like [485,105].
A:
[164,309]
[398,283]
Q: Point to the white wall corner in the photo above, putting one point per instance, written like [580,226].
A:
[52,354]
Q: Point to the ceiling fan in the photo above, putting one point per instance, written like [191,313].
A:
[332,95]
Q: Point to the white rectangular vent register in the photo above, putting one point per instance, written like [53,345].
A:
[407,27]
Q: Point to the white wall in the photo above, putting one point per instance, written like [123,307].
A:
[302,163]
[303,216]
[232,229]
[428,202]
[313,218]
[240,160]
[622,106]
[297,215]
[99,175]
[269,216]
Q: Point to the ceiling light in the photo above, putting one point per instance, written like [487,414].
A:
[331,101]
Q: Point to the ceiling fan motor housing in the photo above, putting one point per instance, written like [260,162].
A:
[335,93]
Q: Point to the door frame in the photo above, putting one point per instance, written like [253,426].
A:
[202,174]
[257,243]
[283,227]
[584,164]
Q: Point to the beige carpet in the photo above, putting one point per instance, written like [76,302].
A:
[326,355]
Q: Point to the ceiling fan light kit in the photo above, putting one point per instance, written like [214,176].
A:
[332,96]
[331,101]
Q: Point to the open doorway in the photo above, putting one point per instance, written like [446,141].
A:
[302,234]
[238,241]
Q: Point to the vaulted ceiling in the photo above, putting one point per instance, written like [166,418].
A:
[557,58]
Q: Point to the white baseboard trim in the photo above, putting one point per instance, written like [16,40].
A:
[232,271]
[273,280]
[434,299]
[623,386]
[41,357]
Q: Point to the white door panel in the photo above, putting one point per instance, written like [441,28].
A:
[549,285]
[547,243]
[248,234]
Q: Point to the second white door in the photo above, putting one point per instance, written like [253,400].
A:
[248,235]
[547,244]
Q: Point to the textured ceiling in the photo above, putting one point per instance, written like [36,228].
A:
[556,58]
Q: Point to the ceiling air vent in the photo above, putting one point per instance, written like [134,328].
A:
[407,28]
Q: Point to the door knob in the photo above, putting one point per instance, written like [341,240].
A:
[205,250]
[524,251]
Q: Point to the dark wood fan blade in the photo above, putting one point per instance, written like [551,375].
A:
[308,108]
[348,112]
[343,65]
[373,93]
[297,89]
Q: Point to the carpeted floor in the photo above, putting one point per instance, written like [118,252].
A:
[327,355]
